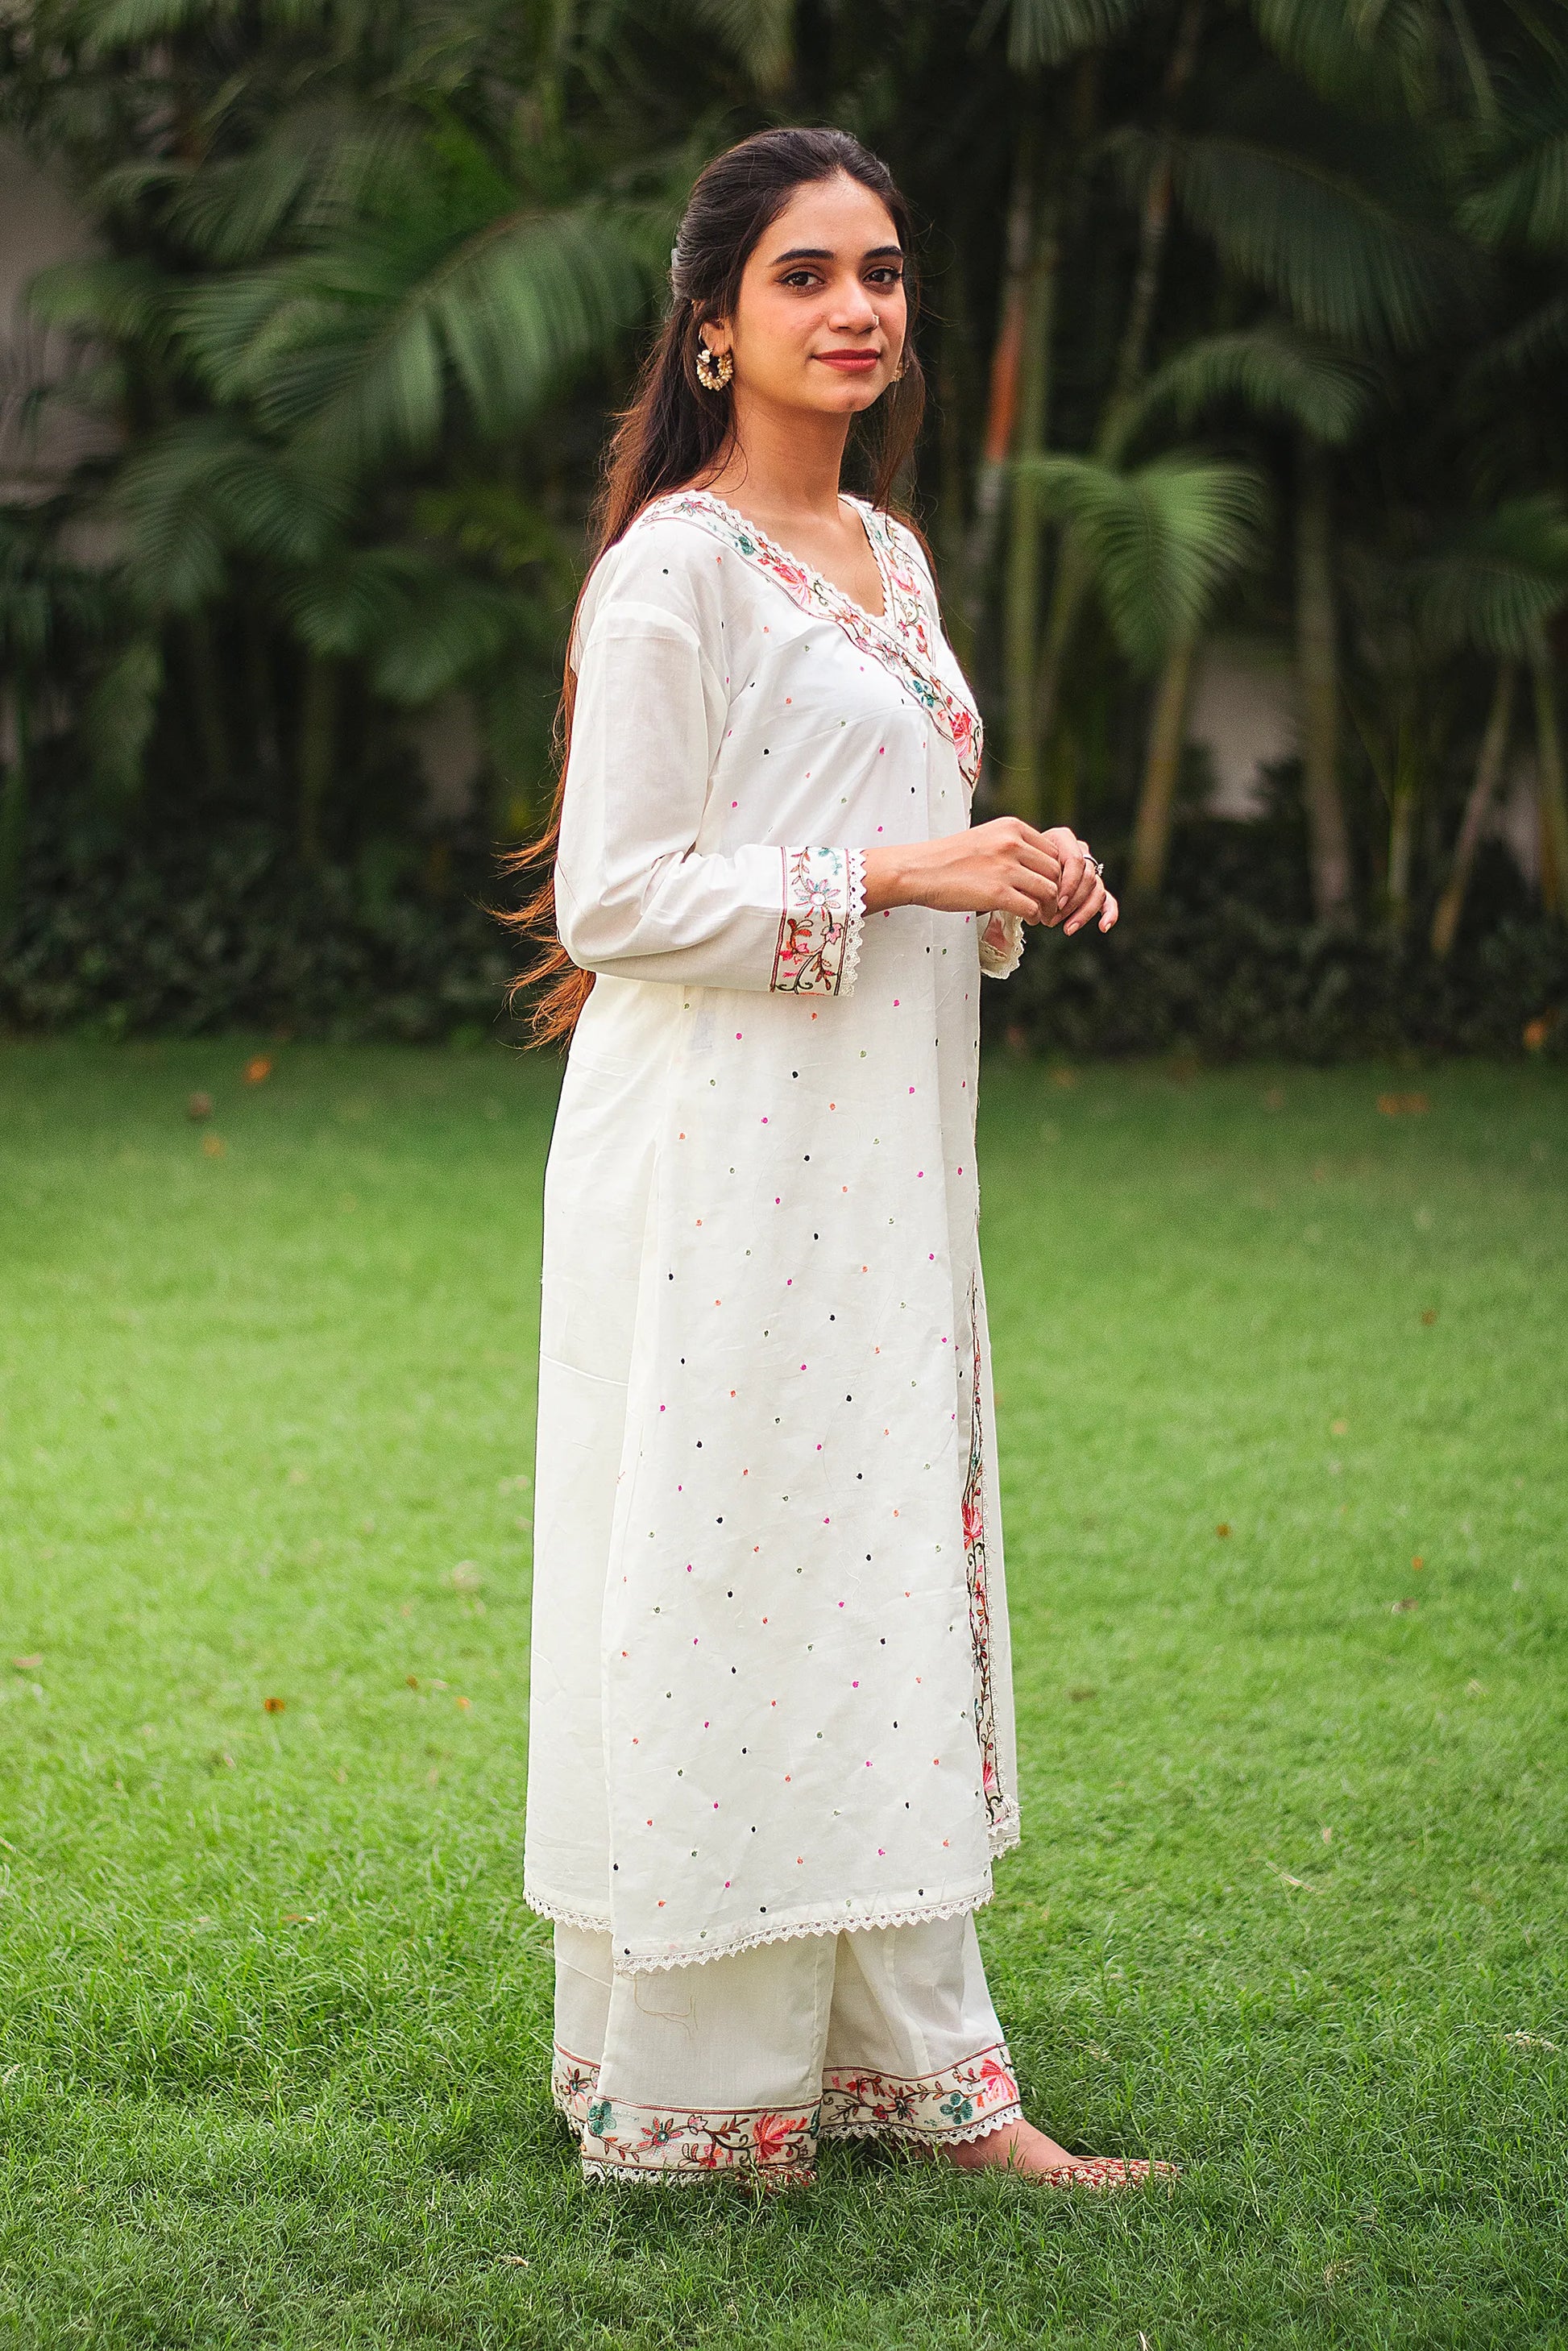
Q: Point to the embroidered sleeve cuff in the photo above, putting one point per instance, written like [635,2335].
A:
[820,928]
[1001,946]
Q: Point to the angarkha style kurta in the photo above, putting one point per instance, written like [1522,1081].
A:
[771,1685]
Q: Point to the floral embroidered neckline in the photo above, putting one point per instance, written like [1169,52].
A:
[898,638]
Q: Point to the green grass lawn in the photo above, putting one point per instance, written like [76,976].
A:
[1284,1392]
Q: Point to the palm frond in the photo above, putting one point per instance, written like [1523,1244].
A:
[423,626]
[1526,202]
[112,24]
[119,301]
[1271,371]
[1339,259]
[1161,541]
[316,164]
[206,489]
[760,34]
[1499,580]
[1539,341]
[1050,32]
[359,343]
[1371,53]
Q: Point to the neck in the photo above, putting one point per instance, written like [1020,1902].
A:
[784,462]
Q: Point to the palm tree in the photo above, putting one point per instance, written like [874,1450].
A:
[1495,591]
[1158,545]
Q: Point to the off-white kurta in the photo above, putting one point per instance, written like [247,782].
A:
[771,1685]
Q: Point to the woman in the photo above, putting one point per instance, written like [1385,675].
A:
[771,1750]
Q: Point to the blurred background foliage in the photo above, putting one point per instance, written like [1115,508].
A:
[1236,314]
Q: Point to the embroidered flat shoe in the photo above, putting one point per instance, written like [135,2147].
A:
[1108,2172]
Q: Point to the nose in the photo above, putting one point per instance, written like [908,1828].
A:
[853,311]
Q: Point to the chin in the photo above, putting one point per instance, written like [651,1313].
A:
[844,396]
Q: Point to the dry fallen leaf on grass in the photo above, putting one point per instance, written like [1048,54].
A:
[465,1576]
[274,1705]
[1428,1315]
[412,1680]
[1403,1105]
[257,1069]
[1530,2040]
[199,1106]
[1223,1528]
[28,1664]
[1403,1608]
[213,1146]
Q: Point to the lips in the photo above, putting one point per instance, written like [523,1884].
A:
[851,362]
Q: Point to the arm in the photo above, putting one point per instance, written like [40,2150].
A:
[635,895]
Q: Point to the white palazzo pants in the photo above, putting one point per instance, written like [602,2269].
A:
[745,2062]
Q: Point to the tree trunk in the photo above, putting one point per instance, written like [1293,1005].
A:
[1483,788]
[1022,785]
[951,464]
[318,750]
[1402,826]
[207,700]
[1157,800]
[1001,408]
[13,809]
[1550,785]
[1071,585]
[1318,674]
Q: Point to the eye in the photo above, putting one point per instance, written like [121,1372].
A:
[794,276]
[889,271]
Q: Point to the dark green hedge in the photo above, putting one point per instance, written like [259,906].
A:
[226,929]
[229,930]
[1232,966]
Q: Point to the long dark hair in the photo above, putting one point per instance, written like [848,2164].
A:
[675,433]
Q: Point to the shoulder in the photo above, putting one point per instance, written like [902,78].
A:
[660,574]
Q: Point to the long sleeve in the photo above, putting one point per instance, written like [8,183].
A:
[634,895]
[1001,946]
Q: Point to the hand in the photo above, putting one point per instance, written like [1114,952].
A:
[1003,867]
[1080,893]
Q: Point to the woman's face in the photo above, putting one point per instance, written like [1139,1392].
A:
[822,316]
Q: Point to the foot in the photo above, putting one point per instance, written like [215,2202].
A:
[1019,2147]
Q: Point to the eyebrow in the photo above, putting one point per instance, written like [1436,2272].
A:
[825,253]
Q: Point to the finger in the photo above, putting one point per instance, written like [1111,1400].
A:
[1086,898]
[1110,911]
[1074,866]
[1039,859]
[1095,900]
[1016,902]
[1036,875]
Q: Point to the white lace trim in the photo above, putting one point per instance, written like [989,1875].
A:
[1003,1834]
[909,1914]
[1011,2113]
[1007,1829]
[592,1922]
[999,963]
[848,967]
